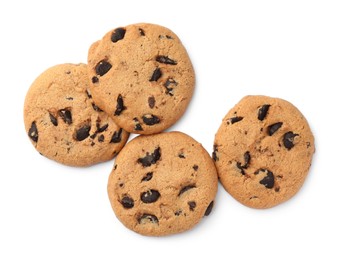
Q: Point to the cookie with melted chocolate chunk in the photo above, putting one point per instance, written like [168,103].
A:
[63,122]
[263,151]
[142,76]
[162,184]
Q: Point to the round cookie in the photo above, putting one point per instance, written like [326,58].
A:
[63,122]
[162,184]
[263,151]
[142,76]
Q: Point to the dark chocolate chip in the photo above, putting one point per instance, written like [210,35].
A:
[262,112]
[120,106]
[268,180]
[95,79]
[83,132]
[241,168]
[118,34]
[192,205]
[178,212]
[235,119]
[100,129]
[147,177]
[137,126]
[165,60]
[96,108]
[33,132]
[101,138]
[247,159]
[156,74]
[273,128]
[127,202]
[54,120]
[150,119]
[102,67]
[148,218]
[195,167]
[150,196]
[142,32]
[167,84]
[277,189]
[116,137]
[181,155]
[150,159]
[151,102]
[186,188]
[93,135]
[66,115]
[209,208]
[69,98]
[288,140]
[214,154]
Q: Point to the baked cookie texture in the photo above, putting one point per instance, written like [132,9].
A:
[142,76]
[263,151]
[63,122]
[162,184]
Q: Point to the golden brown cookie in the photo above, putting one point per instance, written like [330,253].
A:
[142,76]
[162,184]
[63,122]
[263,151]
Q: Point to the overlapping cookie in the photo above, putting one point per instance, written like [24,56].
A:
[63,122]
[263,151]
[142,76]
[162,184]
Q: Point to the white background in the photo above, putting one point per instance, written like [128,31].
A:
[287,49]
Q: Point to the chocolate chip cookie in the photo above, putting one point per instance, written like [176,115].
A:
[63,122]
[263,151]
[142,76]
[162,184]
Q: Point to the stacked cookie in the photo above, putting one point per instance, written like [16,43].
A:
[139,79]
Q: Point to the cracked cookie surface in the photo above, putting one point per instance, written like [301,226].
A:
[142,76]
[263,151]
[63,122]
[162,184]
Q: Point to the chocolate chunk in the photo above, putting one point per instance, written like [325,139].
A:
[150,119]
[247,159]
[268,180]
[96,108]
[95,79]
[53,119]
[127,202]
[83,132]
[195,167]
[116,137]
[262,112]
[142,32]
[100,129]
[178,212]
[273,128]
[165,60]
[118,34]
[186,188]
[102,67]
[156,74]
[192,205]
[147,177]
[151,102]
[101,138]
[33,132]
[66,115]
[235,119]
[167,84]
[150,196]
[288,140]
[150,159]
[69,98]
[137,124]
[148,218]
[241,168]
[214,154]
[120,106]
[181,155]
[209,208]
